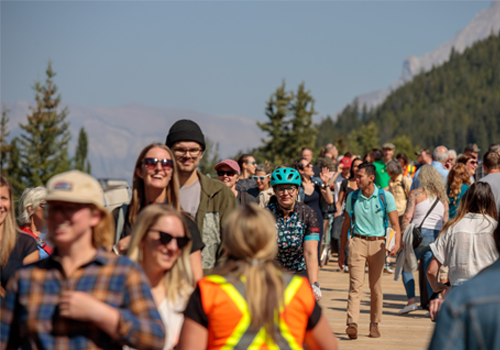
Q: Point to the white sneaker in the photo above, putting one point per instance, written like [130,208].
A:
[407,309]
[346,269]
[388,269]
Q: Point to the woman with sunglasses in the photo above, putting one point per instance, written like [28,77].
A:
[31,207]
[82,296]
[297,227]
[228,172]
[312,189]
[16,248]
[161,245]
[262,178]
[470,163]
[248,303]
[155,181]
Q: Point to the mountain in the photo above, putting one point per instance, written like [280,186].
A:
[479,28]
[118,134]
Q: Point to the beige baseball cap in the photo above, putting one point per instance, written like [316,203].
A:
[75,187]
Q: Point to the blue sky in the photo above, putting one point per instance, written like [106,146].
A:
[222,58]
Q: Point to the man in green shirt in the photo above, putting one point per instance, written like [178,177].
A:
[382,178]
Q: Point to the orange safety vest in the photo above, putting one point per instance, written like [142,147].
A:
[229,318]
[410,171]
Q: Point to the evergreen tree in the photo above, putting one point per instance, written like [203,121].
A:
[403,144]
[81,161]
[4,145]
[44,142]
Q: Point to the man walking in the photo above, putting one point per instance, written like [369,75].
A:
[208,201]
[381,177]
[366,214]
[439,156]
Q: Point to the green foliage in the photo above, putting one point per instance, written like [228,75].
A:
[403,144]
[362,141]
[80,160]
[454,104]
[44,142]
[290,126]
[210,158]
[4,145]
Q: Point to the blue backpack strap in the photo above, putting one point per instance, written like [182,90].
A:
[354,198]
[383,204]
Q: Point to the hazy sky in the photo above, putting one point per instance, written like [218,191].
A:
[218,57]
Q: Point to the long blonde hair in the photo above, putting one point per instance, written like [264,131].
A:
[431,183]
[250,242]
[103,232]
[10,229]
[178,280]
[138,196]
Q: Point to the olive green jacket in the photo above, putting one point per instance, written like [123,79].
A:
[217,201]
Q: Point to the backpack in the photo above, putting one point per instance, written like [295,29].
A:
[383,204]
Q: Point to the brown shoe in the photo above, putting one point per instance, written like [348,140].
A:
[352,331]
[374,332]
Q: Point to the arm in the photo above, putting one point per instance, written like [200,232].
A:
[432,275]
[343,239]
[338,205]
[196,265]
[31,258]
[393,216]
[321,336]
[311,258]
[193,336]
[410,208]
[446,215]
[326,192]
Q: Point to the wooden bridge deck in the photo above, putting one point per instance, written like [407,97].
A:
[412,331]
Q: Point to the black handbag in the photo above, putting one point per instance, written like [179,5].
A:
[417,231]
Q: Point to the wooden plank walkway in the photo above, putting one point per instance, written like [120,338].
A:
[412,331]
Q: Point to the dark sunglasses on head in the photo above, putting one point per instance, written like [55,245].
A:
[227,173]
[150,163]
[166,238]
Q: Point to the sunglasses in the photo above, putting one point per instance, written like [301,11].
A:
[166,238]
[261,178]
[221,173]
[253,163]
[150,163]
[473,162]
[67,209]
[289,190]
[303,166]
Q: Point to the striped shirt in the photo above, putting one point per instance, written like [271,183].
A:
[30,317]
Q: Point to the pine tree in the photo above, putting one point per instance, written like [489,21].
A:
[44,143]
[4,145]
[81,161]
[210,158]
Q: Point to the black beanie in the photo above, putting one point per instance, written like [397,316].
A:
[185,130]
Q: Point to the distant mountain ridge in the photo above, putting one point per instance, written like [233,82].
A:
[479,28]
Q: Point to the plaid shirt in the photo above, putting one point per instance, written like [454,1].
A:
[30,315]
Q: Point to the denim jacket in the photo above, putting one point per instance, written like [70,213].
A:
[470,316]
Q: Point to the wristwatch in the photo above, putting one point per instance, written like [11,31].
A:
[315,284]
[324,186]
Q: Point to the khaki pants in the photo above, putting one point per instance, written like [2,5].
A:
[373,253]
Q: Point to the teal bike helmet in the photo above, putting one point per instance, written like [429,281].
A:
[285,176]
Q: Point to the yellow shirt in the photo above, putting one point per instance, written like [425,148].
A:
[396,188]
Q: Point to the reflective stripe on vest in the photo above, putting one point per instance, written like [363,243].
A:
[242,337]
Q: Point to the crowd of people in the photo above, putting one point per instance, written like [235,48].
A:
[192,262]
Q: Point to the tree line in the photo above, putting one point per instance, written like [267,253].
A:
[41,150]
[454,104]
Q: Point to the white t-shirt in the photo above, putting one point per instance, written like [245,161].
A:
[190,198]
[467,248]
[336,186]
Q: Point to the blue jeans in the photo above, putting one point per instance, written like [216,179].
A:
[423,251]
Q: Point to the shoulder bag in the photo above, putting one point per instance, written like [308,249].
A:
[417,231]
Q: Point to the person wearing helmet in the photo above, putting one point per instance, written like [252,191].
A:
[297,227]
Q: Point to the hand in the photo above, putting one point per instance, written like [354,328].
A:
[123,244]
[340,166]
[317,291]
[325,175]
[341,260]
[79,306]
[434,307]
[337,214]
[394,250]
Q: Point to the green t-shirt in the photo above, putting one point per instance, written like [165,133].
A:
[381,177]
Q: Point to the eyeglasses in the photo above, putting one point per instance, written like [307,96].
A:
[221,173]
[303,166]
[260,178]
[253,163]
[67,209]
[43,205]
[181,152]
[473,162]
[150,163]
[166,238]
[289,190]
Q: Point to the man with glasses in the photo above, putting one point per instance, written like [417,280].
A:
[297,228]
[208,201]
